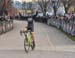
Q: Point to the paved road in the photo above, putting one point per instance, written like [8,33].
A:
[47,39]
[36,54]
[55,38]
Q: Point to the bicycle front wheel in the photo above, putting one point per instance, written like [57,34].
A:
[26,45]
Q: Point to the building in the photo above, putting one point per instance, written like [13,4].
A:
[7,5]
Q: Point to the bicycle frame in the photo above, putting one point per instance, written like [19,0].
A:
[28,41]
[29,37]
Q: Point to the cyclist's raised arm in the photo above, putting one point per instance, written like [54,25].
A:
[34,15]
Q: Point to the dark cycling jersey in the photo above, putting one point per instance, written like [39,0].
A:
[31,23]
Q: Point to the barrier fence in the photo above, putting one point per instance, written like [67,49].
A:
[68,27]
[6,26]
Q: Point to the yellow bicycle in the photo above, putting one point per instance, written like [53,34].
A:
[28,41]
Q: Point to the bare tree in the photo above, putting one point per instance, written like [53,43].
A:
[68,3]
[43,4]
[24,6]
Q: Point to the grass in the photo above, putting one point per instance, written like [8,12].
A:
[68,35]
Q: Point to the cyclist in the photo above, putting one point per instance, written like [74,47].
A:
[30,26]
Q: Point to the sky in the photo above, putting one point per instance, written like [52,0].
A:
[23,0]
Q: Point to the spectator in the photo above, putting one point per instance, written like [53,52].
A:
[71,10]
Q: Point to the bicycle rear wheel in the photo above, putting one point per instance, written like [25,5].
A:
[26,45]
